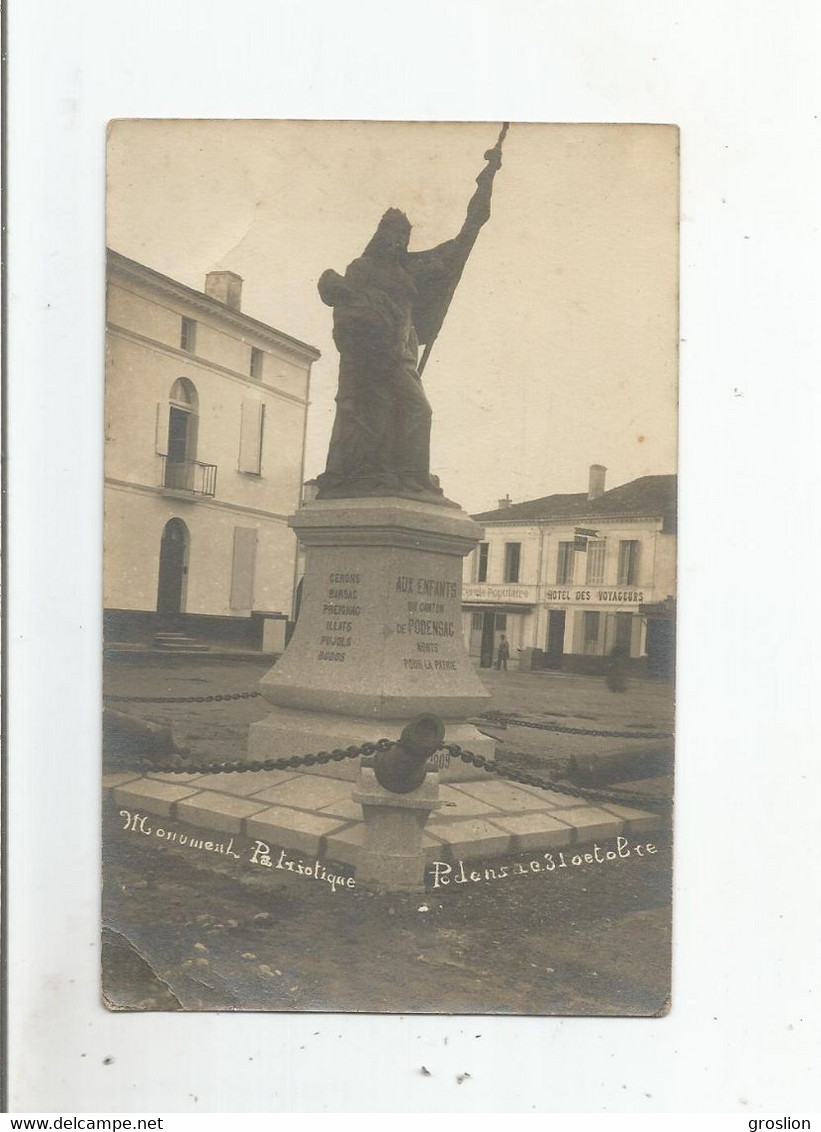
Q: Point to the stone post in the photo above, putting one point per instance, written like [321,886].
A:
[392,857]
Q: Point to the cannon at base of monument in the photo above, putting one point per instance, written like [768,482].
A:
[403,766]
[397,794]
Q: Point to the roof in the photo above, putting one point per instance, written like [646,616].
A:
[646,497]
[122,263]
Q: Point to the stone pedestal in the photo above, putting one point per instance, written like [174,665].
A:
[379,635]
[391,857]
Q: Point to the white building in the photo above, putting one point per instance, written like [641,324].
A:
[205,436]
[575,576]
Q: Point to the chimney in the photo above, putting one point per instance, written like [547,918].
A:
[506,502]
[596,482]
[225,287]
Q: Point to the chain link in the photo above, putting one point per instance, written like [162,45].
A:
[180,699]
[179,766]
[514,721]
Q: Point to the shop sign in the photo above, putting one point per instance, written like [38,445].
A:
[514,593]
[596,596]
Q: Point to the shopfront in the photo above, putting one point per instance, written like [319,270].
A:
[490,612]
[585,625]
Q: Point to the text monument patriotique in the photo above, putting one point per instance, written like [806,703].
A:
[378,639]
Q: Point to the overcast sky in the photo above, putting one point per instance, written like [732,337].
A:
[560,346]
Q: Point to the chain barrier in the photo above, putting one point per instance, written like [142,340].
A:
[179,766]
[514,721]
[180,699]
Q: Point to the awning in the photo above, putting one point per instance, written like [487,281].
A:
[495,607]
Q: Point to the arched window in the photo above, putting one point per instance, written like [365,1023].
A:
[180,434]
[184,394]
[173,572]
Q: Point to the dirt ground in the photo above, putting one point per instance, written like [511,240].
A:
[184,934]
[196,931]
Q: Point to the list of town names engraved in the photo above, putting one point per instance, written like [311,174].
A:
[430,623]
[340,610]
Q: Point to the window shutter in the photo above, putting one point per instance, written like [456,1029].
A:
[162,428]
[629,562]
[242,568]
[192,436]
[635,641]
[578,630]
[250,439]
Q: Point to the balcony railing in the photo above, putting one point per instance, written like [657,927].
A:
[188,475]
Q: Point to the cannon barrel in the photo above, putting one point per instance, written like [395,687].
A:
[402,767]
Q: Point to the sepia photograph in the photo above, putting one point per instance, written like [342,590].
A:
[390,549]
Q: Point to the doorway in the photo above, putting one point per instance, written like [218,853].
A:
[488,640]
[173,568]
[555,638]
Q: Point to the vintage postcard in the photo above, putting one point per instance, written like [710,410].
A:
[390,566]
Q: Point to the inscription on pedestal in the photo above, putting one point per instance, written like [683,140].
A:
[432,615]
[341,611]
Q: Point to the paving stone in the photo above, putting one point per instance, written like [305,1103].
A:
[556,801]
[281,827]
[308,792]
[590,822]
[502,796]
[472,838]
[344,845]
[251,782]
[459,805]
[549,798]
[112,780]
[209,810]
[344,808]
[535,831]
[175,777]
[635,821]
[151,796]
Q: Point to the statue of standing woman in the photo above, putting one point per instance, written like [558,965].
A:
[390,302]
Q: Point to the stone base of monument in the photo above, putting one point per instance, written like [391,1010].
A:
[392,858]
[379,634]
[319,818]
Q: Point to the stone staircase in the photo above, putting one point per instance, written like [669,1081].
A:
[179,643]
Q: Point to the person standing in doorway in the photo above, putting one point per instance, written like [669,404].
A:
[503,654]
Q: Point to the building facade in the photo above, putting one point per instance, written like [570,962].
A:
[570,578]
[205,435]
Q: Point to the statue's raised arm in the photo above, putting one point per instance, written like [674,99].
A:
[437,272]
[478,212]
